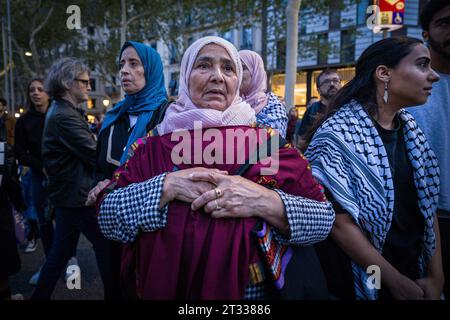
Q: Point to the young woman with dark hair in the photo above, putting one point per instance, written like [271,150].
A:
[383,178]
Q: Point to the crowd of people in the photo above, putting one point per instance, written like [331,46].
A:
[297,210]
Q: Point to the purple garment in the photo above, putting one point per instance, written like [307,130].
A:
[195,256]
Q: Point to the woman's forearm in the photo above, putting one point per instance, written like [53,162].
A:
[309,221]
[351,239]
[271,209]
[435,269]
[136,208]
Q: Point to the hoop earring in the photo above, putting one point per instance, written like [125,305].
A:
[386,93]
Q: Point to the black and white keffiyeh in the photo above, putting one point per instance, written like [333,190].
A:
[348,158]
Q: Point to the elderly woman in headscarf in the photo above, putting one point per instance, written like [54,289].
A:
[142,79]
[196,226]
[268,108]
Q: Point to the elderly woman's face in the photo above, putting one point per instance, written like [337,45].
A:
[213,81]
[131,71]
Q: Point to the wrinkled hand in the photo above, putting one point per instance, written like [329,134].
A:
[406,289]
[240,197]
[178,185]
[92,196]
[432,288]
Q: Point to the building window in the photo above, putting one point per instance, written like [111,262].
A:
[247,38]
[93,84]
[361,12]
[173,84]
[303,24]
[322,51]
[227,35]
[91,103]
[348,46]
[278,88]
[335,15]
[173,56]
[281,54]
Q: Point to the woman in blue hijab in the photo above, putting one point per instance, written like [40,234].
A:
[142,79]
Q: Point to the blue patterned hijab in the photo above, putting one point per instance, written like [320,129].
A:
[144,102]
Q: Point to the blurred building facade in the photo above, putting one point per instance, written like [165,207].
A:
[334,39]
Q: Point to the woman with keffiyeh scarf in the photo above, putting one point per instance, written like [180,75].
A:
[382,177]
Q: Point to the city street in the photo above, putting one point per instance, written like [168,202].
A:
[91,284]
[216,151]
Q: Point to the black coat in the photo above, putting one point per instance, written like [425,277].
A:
[27,148]
[310,116]
[110,146]
[9,193]
[68,152]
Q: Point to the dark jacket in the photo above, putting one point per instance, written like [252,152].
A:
[29,129]
[7,124]
[110,145]
[9,183]
[68,152]
[310,116]
[9,193]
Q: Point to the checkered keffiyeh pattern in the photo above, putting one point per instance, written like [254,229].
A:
[310,221]
[259,291]
[274,115]
[128,211]
[348,158]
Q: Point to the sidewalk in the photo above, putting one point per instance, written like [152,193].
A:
[91,284]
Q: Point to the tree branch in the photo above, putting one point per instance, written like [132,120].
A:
[22,56]
[137,17]
[35,32]
[32,42]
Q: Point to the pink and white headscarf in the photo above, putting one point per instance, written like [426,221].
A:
[257,97]
[182,114]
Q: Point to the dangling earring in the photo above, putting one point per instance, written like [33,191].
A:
[386,94]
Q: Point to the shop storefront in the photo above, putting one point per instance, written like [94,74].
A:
[305,86]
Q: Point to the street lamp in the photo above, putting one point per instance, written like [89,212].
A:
[28,54]
[106,102]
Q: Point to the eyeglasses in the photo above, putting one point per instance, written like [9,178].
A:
[84,81]
[329,81]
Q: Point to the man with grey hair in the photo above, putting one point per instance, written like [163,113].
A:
[68,152]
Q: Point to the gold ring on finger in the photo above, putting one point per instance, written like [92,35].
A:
[218,193]
[217,205]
